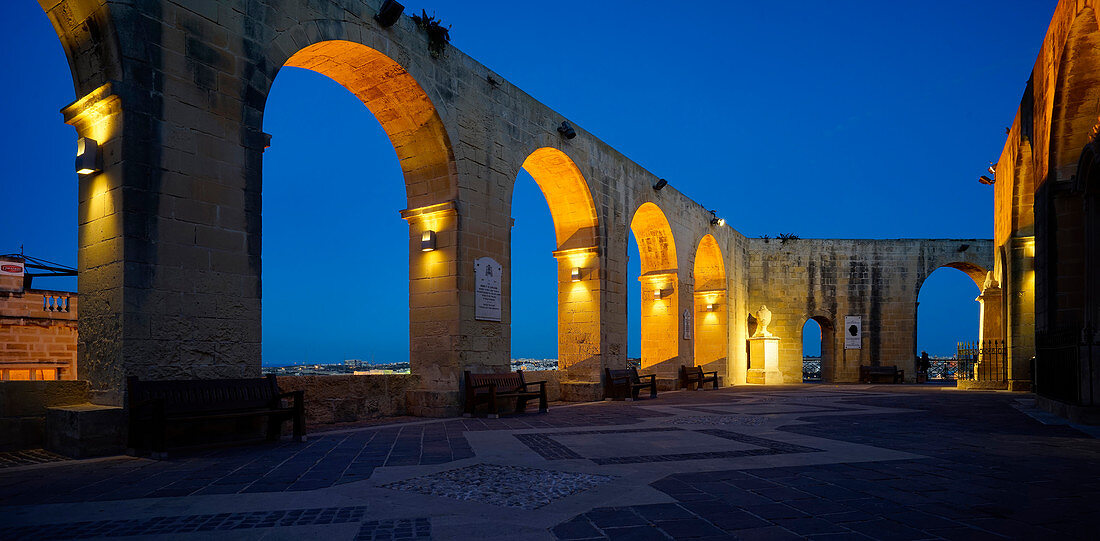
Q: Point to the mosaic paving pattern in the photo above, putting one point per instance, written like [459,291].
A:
[193,523]
[28,457]
[546,446]
[509,486]
[416,528]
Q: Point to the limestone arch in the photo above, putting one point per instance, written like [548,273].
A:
[399,103]
[576,230]
[1074,108]
[975,272]
[413,124]
[660,286]
[828,344]
[711,307]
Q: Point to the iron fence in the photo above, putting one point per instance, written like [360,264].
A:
[949,369]
[983,361]
[811,369]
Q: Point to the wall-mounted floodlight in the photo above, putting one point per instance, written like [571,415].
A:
[567,131]
[575,274]
[661,183]
[710,307]
[87,156]
[986,180]
[427,241]
[992,169]
[389,13]
[715,220]
[657,294]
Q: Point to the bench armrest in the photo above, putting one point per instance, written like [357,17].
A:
[526,383]
[650,376]
[714,372]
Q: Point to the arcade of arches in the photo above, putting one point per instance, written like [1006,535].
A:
[154,272]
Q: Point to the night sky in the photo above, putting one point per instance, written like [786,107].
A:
[827,120]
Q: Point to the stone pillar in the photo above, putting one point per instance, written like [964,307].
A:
[660,317]
[434,311]
[990,326]
[100,241]
[766,349]
[1019,311]
[579,294]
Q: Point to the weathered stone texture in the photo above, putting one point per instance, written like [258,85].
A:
[827,279]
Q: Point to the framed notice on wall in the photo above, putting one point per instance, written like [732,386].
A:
[853,332]
[487,289]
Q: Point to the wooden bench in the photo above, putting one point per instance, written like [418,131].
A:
[694,375]
[488,388]
[880,374]
[154,405]
[625,384]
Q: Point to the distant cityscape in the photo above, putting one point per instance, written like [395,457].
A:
[361,367]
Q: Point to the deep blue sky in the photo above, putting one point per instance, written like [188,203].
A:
[830,119]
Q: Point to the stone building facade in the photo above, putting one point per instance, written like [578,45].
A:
[37,329]
[173,93]
[1047,219]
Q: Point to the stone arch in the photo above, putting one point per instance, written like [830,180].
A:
[660,291]
[1076,96]
[414,126]
[828,344]
[711,306]
[406,113]
[576,228]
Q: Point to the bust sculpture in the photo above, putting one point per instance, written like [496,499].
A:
[763,319]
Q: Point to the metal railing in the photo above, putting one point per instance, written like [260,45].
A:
[982,361]
[811,369]
[949,369]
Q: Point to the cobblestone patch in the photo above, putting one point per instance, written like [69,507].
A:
[508,486]
[741,420]
[179,524]
[546,446]
[28,457]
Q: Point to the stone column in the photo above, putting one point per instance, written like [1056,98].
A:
[1019,311]
[580,354]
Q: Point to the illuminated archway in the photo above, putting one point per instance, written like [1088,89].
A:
[659,305]
[423,148]
[575,229]
[711,344]
[946,312]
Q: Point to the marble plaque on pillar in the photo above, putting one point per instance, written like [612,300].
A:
[487,289]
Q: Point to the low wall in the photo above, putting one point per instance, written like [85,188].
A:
[23,409]
[345,399]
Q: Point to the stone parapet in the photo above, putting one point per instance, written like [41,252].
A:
[348,398]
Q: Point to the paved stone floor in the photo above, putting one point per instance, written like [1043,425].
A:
[816,461]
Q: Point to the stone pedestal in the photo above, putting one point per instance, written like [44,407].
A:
[764,350]
[85,430]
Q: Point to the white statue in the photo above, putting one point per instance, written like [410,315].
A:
[763,318]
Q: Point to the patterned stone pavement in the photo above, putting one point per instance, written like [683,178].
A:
[819,462]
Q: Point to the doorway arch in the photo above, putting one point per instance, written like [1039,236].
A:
[711,307]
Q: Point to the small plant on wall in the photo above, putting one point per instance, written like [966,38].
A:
[438,35]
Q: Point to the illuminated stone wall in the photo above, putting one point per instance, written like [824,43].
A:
[1046,245]
[170,228]
[827,279]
